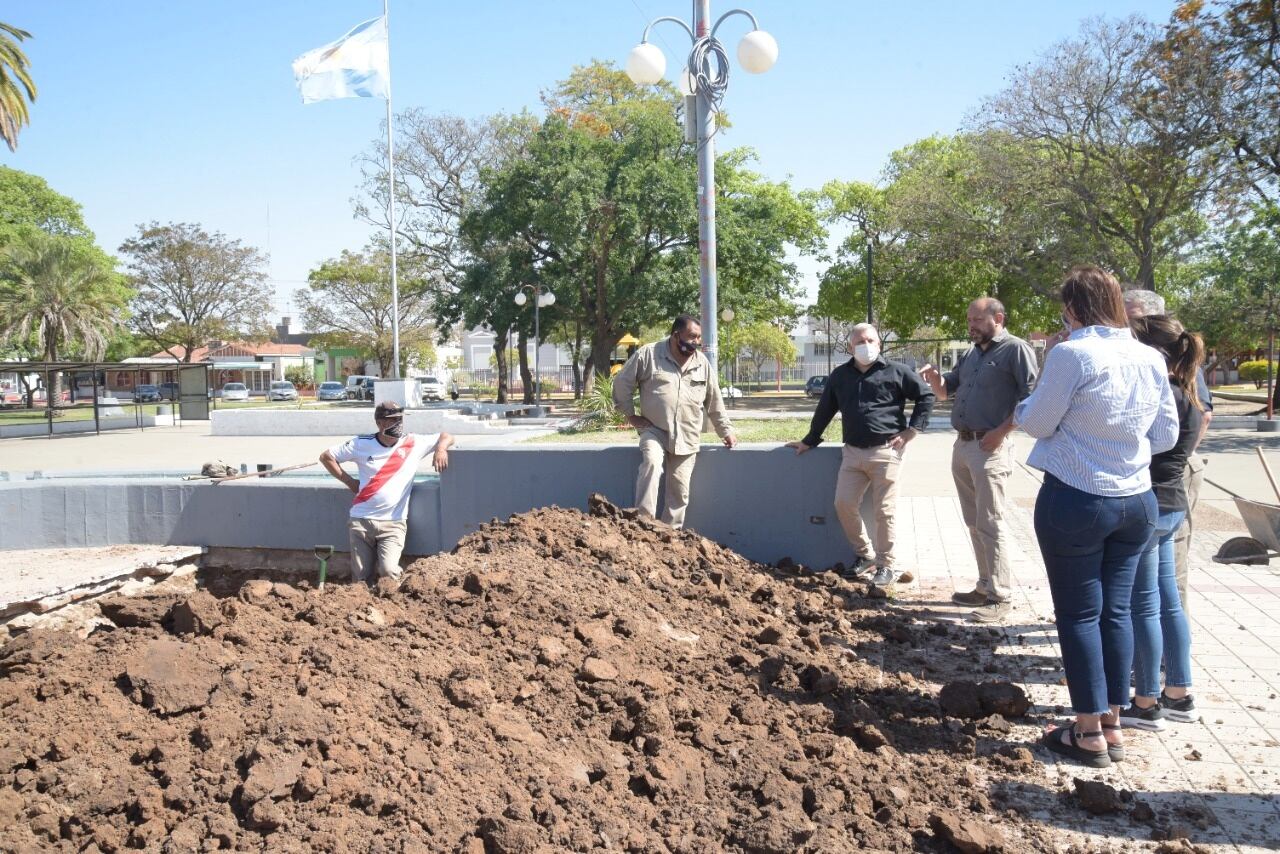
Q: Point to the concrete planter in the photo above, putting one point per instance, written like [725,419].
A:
[1265,426]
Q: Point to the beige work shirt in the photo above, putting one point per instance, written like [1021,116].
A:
[675,398]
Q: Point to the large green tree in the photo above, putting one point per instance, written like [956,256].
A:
[603,200]
[1131,155]
[349,297]
[28,202]
[195,286]
[62,299]
[16,86]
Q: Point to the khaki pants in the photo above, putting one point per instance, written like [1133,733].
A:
[376,545]
[980,479]
[861,468]
[1192,476]
[654,461]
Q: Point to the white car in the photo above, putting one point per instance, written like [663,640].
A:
[235,391]
[282,390]
[731,392]
[432,388]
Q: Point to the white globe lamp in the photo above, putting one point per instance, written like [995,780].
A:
[547,299]
[757,52]
[646,64]
[521,299]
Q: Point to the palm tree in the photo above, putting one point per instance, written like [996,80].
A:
[15,79]
[54,293]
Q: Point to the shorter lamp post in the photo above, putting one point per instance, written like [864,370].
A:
[727,316]
[541,297]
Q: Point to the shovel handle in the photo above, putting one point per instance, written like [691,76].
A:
[1265,467]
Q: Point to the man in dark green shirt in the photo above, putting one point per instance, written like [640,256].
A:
[871,395]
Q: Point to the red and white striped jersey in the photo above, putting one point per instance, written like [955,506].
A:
[386,473]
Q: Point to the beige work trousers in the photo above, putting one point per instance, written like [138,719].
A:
[376,546]
[980,480]
[861,468]
[654,463]
[1192,478]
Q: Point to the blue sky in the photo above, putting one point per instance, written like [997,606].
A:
[186,111]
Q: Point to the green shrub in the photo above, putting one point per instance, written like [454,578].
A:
[1255,371]
[599,413]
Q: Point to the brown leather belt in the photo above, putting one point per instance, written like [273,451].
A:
[970,435]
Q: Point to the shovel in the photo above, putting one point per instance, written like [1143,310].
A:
[323,553]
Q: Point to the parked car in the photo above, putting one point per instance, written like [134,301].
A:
[354,382]
[169,391]
[364,390]
[331,390]
[282,390]
[432,388]
[815,385]
[146,394]
[730,392]
[235,391]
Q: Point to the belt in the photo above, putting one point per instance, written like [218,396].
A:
[970,435]
[874,443]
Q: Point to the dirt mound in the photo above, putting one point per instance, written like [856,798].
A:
[560,682]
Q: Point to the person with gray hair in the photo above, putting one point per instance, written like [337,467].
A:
[1139,302]
[871,395]
[987,382]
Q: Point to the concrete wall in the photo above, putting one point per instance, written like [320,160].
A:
[118,422]
[283,421]
[764,502]
[246,514]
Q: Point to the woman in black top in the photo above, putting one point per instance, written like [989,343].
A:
[1160,627]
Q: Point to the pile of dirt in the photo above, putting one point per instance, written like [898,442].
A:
[562,681]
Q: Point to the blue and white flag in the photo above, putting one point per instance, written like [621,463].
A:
[355,66]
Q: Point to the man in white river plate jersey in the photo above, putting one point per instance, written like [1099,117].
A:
[387,462]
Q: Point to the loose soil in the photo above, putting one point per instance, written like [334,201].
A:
[562,681]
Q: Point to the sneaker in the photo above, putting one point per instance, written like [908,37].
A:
[992,612]
[883,577]
[972,598]
[1151,719]
[1183,711]
[860,567]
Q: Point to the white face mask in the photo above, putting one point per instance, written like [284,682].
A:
[865,354]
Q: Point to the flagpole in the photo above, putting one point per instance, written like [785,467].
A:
[391,211]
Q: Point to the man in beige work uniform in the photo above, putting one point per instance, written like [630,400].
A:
[678,388]
[987,383]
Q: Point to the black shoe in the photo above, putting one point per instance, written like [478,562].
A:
[861,566]
[1150,719]
[883,577]
[1183,711]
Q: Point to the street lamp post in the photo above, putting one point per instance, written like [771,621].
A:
[541,297]
[704,83]
[727,316]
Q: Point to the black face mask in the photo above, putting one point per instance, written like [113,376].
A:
[686,347]
[395,430]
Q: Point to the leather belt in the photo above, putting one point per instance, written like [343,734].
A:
[970,435]
[875,443]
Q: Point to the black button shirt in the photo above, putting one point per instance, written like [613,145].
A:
[872,405]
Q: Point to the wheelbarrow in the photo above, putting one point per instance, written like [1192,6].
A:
[1263,522]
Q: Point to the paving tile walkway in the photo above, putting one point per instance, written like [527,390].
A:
[1219,777]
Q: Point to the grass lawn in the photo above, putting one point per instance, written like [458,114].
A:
[773,430]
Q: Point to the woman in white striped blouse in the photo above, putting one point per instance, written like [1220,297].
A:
[1101,408]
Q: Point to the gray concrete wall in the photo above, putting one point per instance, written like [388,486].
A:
[761,501]
[253,514]
[764,502]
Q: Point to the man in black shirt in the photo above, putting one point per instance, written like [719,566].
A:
[871,395]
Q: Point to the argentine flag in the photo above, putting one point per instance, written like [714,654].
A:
[355,66]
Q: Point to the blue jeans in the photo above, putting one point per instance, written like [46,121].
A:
[1091,547]
[1160,628]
